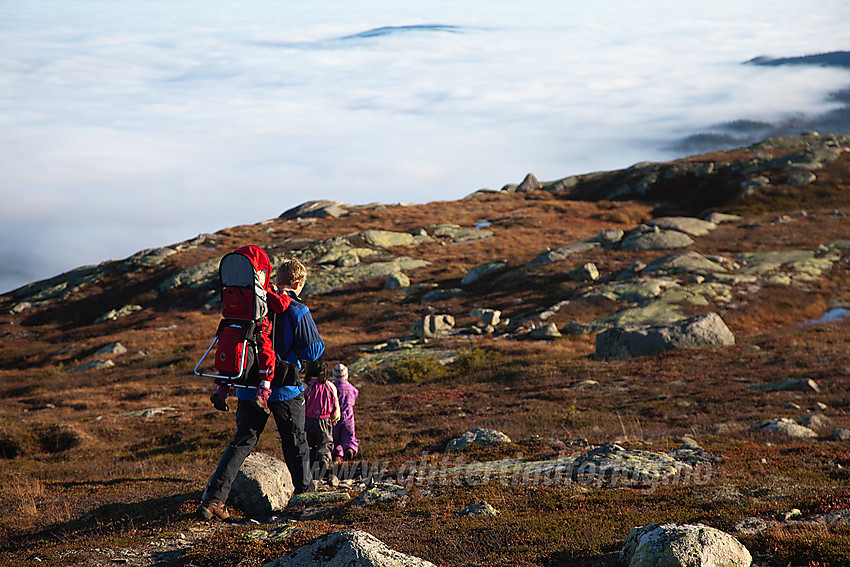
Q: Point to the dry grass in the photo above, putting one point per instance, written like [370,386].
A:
[80,475]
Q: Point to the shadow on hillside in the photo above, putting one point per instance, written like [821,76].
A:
[128,518]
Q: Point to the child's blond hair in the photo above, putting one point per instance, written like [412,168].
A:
[290,273]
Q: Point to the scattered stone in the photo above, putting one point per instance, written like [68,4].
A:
[381,493]
[799,177]
[347,548]
[663,240]
[487,317]
[549,256]
[582,384]
[791,514]
[623,342]
[442,294]
[796,385]
[149,412]
[480,509]
[792,406]
[387,239]
[682,545]
[587,272]
[609,237]
[820,406]
[816,422]
[752,526]
[459,234]
[94,365]
[840,434]
[262,486]
[483,271]
[434,326]
[837,517]
[114,314]
[683,262]
[396,280]
[479,437]
[151,257]
[545,332]
[719,218]
[688,225]
[111,348]
[789,428]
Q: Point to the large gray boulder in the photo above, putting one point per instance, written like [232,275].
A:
[262,486]
[347,548]
[483,271]
[315,209]
[623,342]
[688,545]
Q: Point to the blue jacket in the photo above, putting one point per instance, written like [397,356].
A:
[296,338]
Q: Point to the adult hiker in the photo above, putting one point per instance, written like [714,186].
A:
[296,342]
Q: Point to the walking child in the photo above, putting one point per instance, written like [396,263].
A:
[322,412]
[346,444]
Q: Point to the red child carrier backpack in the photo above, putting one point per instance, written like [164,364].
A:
[243,277]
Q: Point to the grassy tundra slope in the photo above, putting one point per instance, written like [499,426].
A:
[105,465]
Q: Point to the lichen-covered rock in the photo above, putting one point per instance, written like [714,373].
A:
[396,280]
[789,428]
[623,342]
[479,437]
[262,486]
[683,262]
[347,548]
[687,545]
[111,348]
[614,466]
[381,493]
[339,277]
[480,509]
[662,240]
[458,234]
[387,238]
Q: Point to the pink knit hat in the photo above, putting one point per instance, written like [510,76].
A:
[340,372]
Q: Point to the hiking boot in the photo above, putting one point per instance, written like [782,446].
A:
[337,460]
[262,399]
[213,509]
[349,455]
[219,402]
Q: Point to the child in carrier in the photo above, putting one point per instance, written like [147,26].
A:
[233,307]
[345,442]
[322,412]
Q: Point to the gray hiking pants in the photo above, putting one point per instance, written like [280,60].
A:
[320,438]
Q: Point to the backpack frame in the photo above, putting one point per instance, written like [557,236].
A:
[243,281]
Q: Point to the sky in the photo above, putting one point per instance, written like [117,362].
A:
[131,124]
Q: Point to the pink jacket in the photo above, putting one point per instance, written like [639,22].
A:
[322,401]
